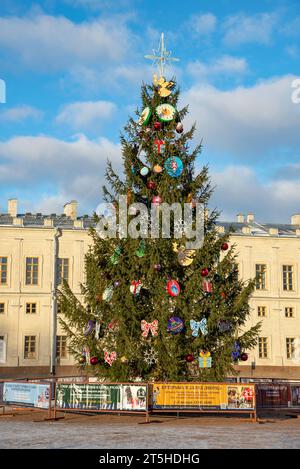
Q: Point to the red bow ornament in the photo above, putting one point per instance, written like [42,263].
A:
[149,326]
[110,358]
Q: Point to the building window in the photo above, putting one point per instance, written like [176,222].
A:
[61,346]
[32,270]
[261,311]
[2,349]
[290,347]
[62,270]
[261,276]
[3,270]
[289,312]
[263,347]
[31,308]
[288,280]
[2,308]
[30,346]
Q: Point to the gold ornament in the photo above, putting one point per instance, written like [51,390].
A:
[124,359]
[164,86]
[185,256]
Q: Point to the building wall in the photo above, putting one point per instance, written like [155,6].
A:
[18,242]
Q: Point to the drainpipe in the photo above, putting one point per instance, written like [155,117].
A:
[57,234]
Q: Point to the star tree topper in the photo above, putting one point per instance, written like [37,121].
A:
[162,57]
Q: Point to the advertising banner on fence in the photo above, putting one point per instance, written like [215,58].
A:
[29,394]
[101,396]
[202,396]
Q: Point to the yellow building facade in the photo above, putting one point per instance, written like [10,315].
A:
[36,251]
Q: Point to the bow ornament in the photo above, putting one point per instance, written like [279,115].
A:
[198,325]
[110,358]
[149,326]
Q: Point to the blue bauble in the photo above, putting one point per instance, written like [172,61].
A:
[174,166]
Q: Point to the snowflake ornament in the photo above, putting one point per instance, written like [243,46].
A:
[150,356]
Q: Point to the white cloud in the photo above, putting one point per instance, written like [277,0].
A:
[223,65]
[249,123]
[203,25]
[238,190]
[85,114]
[51,43]
[20,113]
[74,168]
[242,29]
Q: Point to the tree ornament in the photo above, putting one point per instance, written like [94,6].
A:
[224,326]
[109,358]
[157,125]
[157,169]
[89,327]
[198,325]
[165,112]
[113,325]
[124,359]
[149,326]
[164,87]
[140,252]
[97,330]
[223,295]
[204,272]
[157,267]
[159,145]
[224,246]
[144,171]
[175,325]
[151,185]
[145,116]
[244,357]
[185,256]
[117,283]
[173,288]
[108,293]
[157,200]
[207,287]
[94,361]
[135,287]
[82,360]
[174,166]
[189,358]
[150,356]
[115,257]
[179,128]
[193,202]
[205,360]
[236,351]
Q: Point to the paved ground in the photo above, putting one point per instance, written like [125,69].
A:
[28,430]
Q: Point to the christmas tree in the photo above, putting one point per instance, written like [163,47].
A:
[155,308]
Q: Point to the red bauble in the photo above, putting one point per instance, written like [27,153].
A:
[151,185]
[244,357]
[157,125]
[157,200]
[224,246]
[204,272]
[189,358]
[223,296]
[94,360]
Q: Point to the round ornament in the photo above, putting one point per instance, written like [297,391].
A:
[244,357]
[157,200]
[157,125]
[175,325]
[173,288]
[108,293]
[124,359]
[94,361]
[89,327]
[151,185]
[157,267]
[145,116]
[144,171]
[223,296]
[82,360]
[117,283]
[174,166]
[165,112]
[204,272]
[157,169]
[189,358]
[224,246]
[179,128]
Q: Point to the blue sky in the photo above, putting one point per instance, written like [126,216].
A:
[73,70]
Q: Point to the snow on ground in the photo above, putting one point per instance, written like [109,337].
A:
[123,432]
